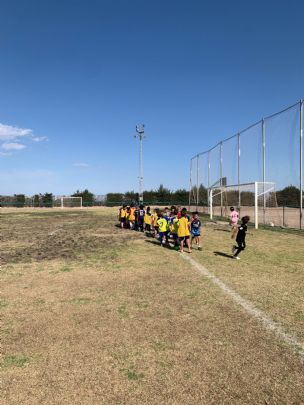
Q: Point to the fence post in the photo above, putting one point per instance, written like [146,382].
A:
[221,175]
[256,207]
[264,166]
[301,162]
[197,181]
[238,168]
[190,190]
[208,197]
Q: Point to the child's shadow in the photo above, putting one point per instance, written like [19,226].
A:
[222,254]
[156,242]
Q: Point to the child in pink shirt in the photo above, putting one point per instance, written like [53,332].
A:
[234,218]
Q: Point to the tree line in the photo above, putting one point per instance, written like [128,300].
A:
[43,200]
[288,196]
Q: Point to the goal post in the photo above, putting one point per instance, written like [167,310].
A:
[68,202]
[257,200]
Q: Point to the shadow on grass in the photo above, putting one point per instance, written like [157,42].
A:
[222,230]
[222,254]
[156,242]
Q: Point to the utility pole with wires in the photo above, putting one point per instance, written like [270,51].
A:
[140,129]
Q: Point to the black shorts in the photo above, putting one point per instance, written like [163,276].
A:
[184,238]
[123,220]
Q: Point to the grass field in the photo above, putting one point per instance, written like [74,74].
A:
[91,314]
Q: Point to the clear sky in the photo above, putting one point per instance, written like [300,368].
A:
[76,76]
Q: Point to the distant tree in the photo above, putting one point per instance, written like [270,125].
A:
[130,197]
[113,199]
[180,197]
[163,194]
[150,197]
[203,195]
[19,200]
[36,200]
[87,197]
[289,196]
[47,200]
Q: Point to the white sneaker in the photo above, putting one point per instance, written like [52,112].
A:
[236,257]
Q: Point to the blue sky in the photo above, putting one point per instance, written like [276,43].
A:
[77,76]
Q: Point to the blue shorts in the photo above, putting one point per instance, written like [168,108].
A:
[195,233]
[162,234]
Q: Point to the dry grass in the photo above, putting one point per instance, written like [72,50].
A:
[94,315]
[269,274]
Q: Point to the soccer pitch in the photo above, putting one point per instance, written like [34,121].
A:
[92,314]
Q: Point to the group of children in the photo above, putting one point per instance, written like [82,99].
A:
[171,225]
[175,226]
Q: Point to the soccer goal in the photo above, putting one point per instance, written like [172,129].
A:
[257,200]
[68,202]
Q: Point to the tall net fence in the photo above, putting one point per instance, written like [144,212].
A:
[268,151]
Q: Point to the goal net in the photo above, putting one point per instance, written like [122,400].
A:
[257,200]
[68,202]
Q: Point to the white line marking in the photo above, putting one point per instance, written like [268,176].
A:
[268,323]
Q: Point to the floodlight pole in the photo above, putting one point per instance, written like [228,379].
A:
[301,163]
[140,135]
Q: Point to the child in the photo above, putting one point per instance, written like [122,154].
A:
[163,232]
[132,217]
[240,238]
[122,216]
[183,230]
[234,218]
[140,218]
[148,220]
[174,228]
[136,216]
[195,230]
[127,217]
[154,221]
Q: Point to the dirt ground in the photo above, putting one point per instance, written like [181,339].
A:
[91,314]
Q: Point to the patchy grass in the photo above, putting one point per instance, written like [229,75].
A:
[131,323]
[13,361]
[80,301]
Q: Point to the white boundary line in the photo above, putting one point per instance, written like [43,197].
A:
[267,322]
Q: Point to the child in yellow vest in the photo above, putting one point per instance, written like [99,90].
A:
[162,229]
[183,231]
[123,216]
[132,217]
[148,220]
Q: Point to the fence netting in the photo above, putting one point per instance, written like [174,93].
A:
[268,151]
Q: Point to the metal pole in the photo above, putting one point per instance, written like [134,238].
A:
[256,209]
[190,189]
[140,135]
[197,181]
[221,175]
[264,166]
[208,180]
[301,162]
[239,173]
